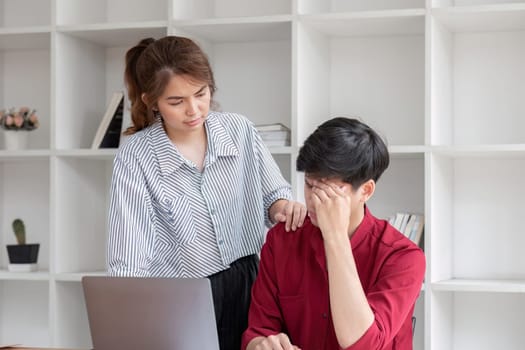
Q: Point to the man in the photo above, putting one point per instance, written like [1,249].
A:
[345,279]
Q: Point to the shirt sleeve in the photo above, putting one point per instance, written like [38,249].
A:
[264,317]
[130,227]
[392,298]
[274,186]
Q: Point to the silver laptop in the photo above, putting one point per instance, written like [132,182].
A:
[150,313]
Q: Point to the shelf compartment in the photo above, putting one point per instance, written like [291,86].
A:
[25,39]
[82,199]
[488,4]
[71,320]
[125,34]
[252,70]
[484,321]
[25,195]
[110,11]
[100,154]
[202,9]
[26,77]
[369,23]
[476,86]
[89,74]
[237,30]
[21,13]
[77,276]
[482,18]
[512,151]
[379,77]
[24,303]
[315,6]
[401,188]
[476,218]
[23,155]
[41,275]
[477,285]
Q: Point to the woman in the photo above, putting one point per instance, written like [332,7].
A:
[192,189]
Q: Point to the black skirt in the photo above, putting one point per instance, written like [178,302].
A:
[231,290]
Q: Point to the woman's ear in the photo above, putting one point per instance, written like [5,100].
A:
[367,190]
[144,99]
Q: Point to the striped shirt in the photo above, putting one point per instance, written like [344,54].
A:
[168,219]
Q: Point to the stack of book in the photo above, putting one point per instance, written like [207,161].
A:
[274,135]
[411,225]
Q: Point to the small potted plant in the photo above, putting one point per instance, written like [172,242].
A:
[22,256]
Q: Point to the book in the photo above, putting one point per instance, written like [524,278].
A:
[417,231]
[404,222]
[410,225]
[398,221]
[126,120]
[110,127]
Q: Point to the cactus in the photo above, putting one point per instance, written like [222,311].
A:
[20,231]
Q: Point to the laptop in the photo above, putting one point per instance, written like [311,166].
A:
[150,313]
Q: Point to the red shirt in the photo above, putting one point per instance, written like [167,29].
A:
[291,295]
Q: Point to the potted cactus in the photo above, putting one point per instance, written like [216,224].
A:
[22,256]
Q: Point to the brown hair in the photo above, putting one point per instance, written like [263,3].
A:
[149,67]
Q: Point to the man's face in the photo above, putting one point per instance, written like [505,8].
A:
[309,183]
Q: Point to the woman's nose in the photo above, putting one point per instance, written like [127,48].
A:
[191,108]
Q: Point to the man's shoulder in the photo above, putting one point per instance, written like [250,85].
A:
[395,244]
[278,236]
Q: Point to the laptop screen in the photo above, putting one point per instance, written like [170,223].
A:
[150,313]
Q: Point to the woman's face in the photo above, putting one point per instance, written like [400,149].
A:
[184,105]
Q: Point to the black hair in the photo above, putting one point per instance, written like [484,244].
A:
[346,149]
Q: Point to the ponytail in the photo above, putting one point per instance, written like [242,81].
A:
[139,110]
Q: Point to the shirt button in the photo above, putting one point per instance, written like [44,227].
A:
[212,212]
[221,241]
[325,315]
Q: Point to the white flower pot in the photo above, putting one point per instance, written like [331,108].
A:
[16,140]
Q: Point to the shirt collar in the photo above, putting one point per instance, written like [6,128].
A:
[168,156]
[220,144]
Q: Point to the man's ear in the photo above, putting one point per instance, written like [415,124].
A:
[367,190]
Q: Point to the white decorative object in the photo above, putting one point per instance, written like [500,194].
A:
[22,267]
[16,140]
[16,123]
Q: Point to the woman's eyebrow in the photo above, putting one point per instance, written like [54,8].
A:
[181,97]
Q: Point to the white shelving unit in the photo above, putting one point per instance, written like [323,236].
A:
[443,81]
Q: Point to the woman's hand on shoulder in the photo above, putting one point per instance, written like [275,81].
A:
[290,212]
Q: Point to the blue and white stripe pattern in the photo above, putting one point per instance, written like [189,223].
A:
[167,219]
